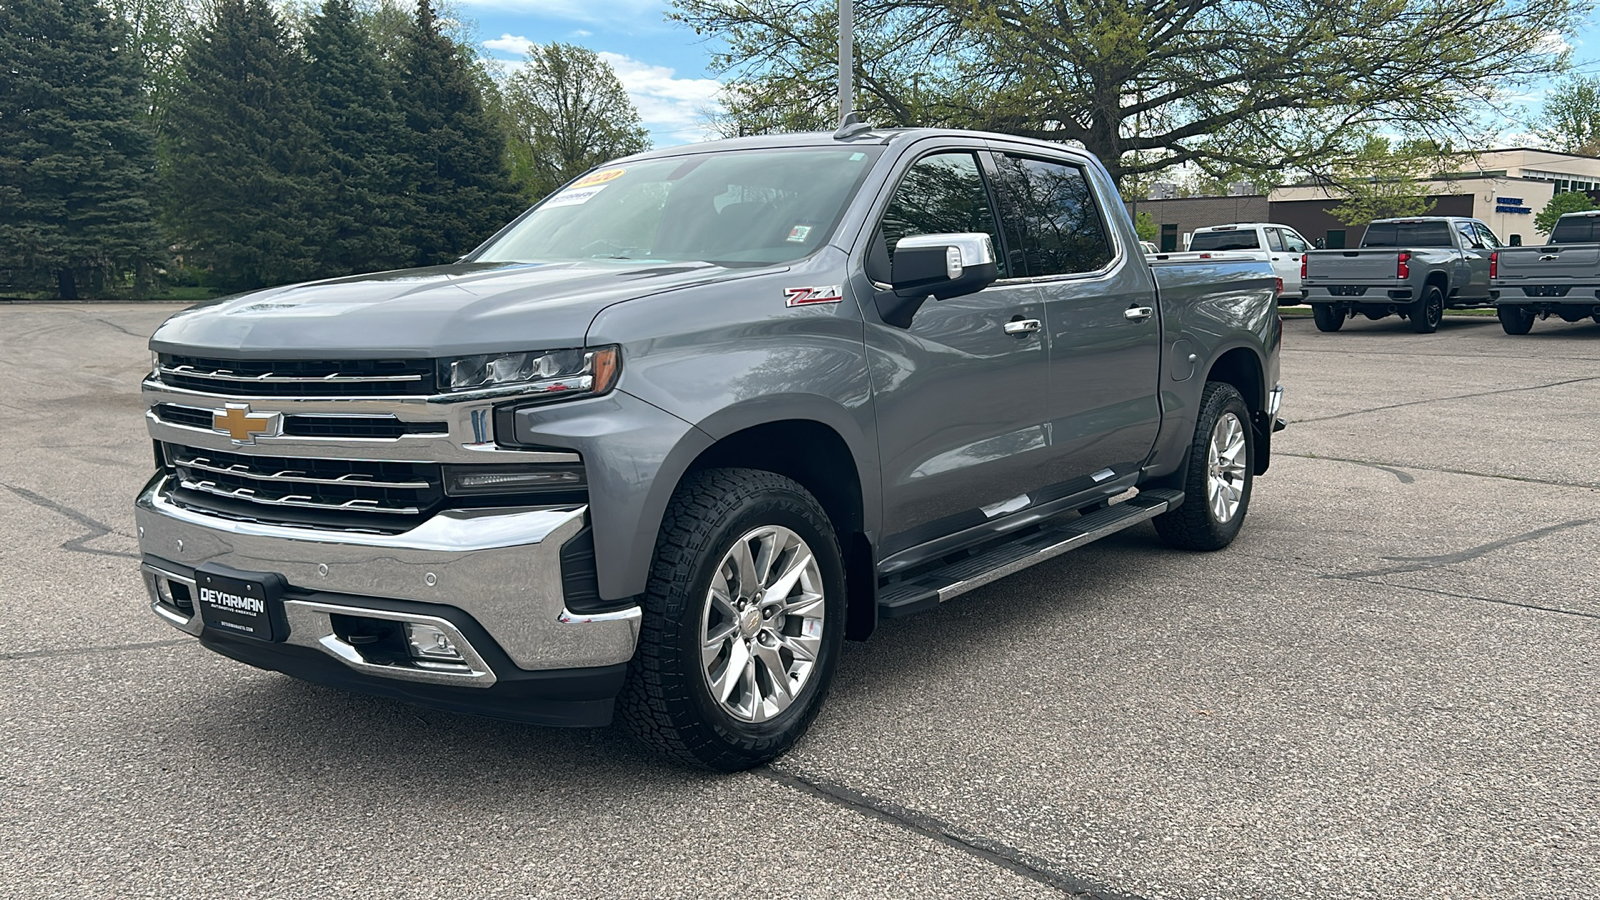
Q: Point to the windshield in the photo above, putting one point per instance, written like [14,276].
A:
[738,207]
[1407,234]
[1224,240]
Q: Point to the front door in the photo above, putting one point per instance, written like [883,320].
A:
[961,425]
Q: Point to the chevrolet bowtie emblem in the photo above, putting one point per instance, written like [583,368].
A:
[239,423]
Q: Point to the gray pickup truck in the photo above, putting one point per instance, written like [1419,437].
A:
[1415,268]
[678,431]
[1560,279]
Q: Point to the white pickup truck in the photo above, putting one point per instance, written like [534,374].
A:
[1279,245]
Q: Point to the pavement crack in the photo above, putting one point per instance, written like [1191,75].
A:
[1493,393]
[96,529]
[1423,563]
[86,651]
[1443,471]
[1021,862]
[1422,590]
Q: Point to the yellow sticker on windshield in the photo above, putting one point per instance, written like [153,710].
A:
[600,177]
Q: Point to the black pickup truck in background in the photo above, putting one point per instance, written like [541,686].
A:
[1415,268]
[1560,279]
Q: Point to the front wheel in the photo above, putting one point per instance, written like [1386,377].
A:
[743,618]
[1328,317]
[1220,472]
[1427,313]
[1515,319]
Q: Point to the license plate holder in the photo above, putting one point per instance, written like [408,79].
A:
[247,604]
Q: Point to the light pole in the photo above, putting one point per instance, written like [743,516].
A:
[846,57]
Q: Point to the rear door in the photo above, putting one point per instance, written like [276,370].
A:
[1104,330]
[962,431]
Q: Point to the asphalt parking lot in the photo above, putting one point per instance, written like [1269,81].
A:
[1386,688]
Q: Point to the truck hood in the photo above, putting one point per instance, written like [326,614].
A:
[453,310]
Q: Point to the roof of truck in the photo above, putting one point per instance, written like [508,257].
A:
[874,136]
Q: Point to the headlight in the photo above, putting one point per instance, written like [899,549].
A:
[546,478]
[548,372]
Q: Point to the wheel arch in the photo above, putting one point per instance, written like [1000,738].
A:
[1242,367]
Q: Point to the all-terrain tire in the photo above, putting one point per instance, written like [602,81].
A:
[1198,524]
[667,700]
[1514,319]
[1427,313]
[1328,317]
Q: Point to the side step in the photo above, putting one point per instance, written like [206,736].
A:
[929,589]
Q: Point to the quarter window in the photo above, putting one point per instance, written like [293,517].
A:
[940,194]
[1274,239]
[1050,211]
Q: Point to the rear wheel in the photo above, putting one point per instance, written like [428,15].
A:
[1217,481]
[1515,319]
[1427,313]
[1328,317]
[743,618]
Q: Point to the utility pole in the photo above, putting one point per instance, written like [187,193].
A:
[846,57]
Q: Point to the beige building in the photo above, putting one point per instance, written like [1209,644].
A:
[1504,188]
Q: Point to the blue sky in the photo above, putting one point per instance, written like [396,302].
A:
[663,65]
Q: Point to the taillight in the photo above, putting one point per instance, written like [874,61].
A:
[1403,268]
[1280,286]
[1494,264]
[1302,267]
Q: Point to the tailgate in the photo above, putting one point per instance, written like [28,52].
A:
[1548,265]
[1341,266]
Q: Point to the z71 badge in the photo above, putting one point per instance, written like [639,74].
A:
[805,296]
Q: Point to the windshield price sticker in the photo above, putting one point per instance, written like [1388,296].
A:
[573,196]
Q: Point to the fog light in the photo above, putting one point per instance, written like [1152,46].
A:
[428,642]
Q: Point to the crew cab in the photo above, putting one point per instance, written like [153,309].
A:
[672,436]
[1279,245]
[1560,279]
[1414,267]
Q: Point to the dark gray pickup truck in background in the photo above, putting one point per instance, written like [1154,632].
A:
[1415,268]
[1560,279]
[673,435]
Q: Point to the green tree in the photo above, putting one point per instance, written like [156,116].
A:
[1570,121]
[1568,202]
[1145,225]
[570,114]
[1240,88]
[456,166]
[361,202]
[1383,179]
[239,154]
[76,161]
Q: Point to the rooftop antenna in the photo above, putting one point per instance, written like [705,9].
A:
[850,124]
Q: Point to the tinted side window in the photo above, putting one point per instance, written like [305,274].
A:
[1050,210]
[940,194]
[1487,236]
[1274,239]
[1293,241]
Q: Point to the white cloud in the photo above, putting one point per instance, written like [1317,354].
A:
[582,32]
[1553,42]
[514,44]
[673,108]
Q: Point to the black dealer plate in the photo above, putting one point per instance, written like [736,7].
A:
[240,606]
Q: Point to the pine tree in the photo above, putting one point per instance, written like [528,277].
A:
[461,188]
[76,163]
[362,204]
[239,153]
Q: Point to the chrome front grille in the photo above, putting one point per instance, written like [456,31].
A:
[329,425]
[367,494]
[299,378]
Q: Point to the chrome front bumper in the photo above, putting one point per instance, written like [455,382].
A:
[501,567]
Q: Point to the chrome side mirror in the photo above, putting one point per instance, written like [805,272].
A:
[940,266]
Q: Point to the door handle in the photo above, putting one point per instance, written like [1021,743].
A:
[1138,313]
[1023,327]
